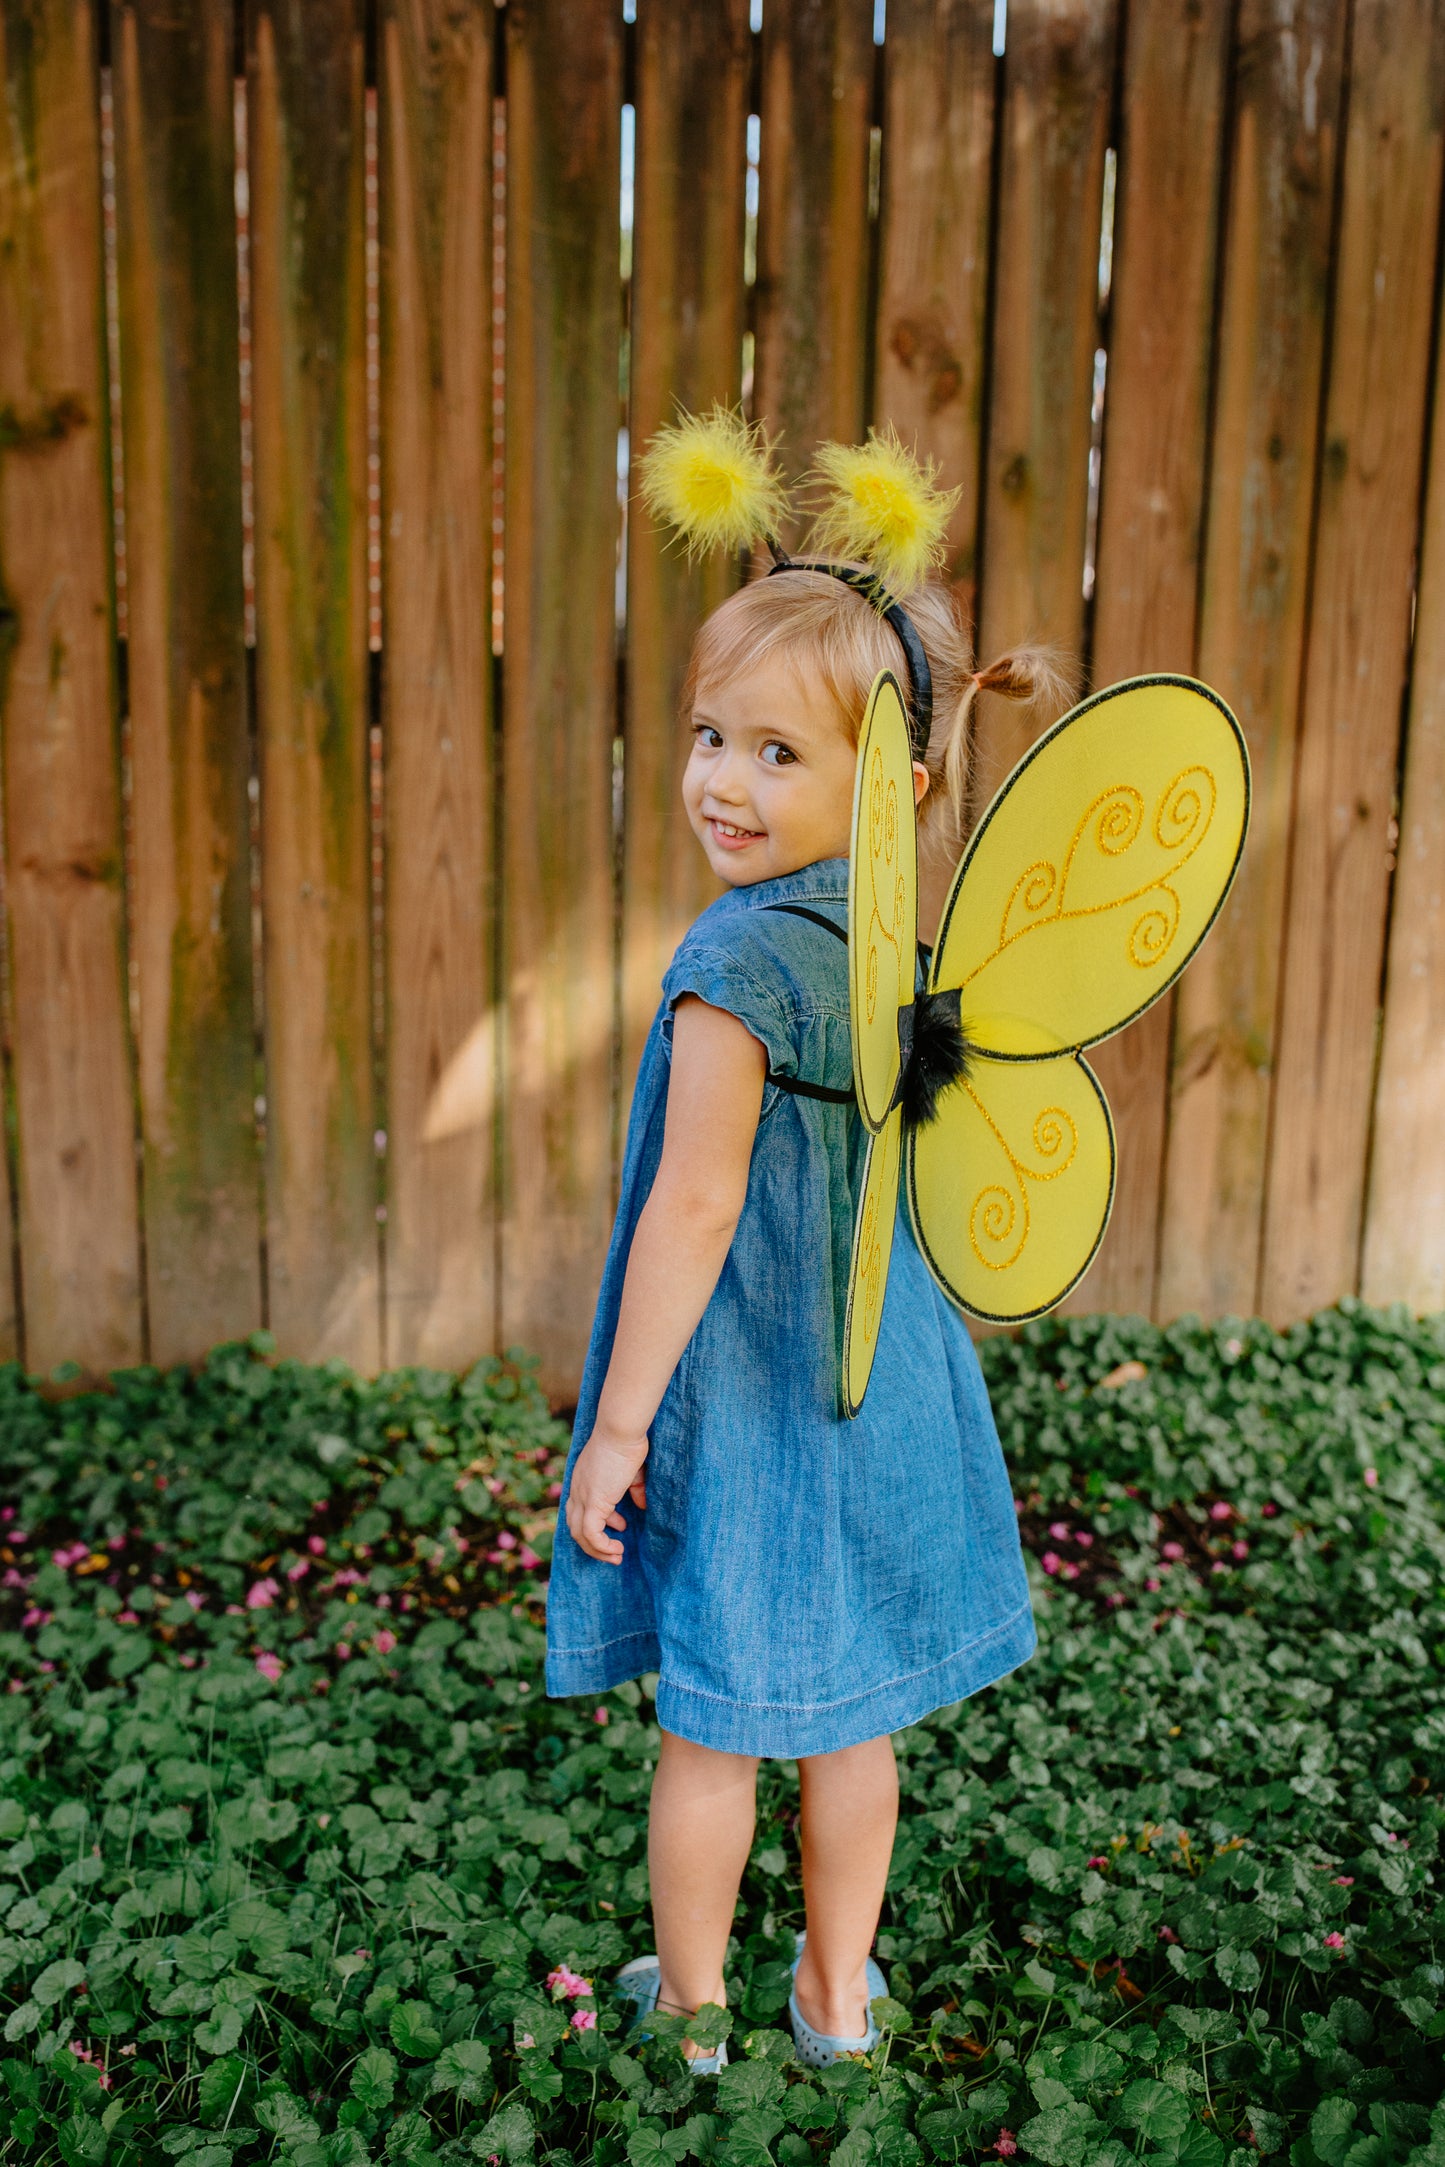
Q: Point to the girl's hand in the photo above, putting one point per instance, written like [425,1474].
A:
[607,1468]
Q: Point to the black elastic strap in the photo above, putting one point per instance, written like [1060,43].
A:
[868,584]
[814,917]
[794,1085]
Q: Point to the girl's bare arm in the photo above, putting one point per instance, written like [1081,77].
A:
[714,1097]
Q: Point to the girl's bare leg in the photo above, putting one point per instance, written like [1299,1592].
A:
[850,1812]
[699,1835]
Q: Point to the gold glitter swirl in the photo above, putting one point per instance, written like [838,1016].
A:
[1054,1129]
[1152,934]
[875,803]
[996,1211]
[1119,820]
[1186,809]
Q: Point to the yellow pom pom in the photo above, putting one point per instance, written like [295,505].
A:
[711,477]
[882,507]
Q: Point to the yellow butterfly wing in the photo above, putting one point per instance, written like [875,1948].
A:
[1010,1188]
[1084,891]
[882,898]
[872,1250]
[1099,867]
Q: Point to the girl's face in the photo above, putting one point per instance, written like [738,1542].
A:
[769,785]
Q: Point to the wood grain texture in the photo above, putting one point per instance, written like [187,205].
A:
[436,330]
[812,290]
[1166,218]
[564,93]
[1255,582]
[931,323]
[1058,74]
[191,908]
[1355,666]
[305,68]
[1404,1240]
[75,1103]
[686,350]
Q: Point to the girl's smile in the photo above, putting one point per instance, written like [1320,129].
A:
[769,785]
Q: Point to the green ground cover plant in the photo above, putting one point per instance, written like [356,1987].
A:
[297,1863]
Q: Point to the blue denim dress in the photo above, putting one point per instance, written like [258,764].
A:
[799,1582]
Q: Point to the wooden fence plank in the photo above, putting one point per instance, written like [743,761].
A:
[75,1101]
[812,286]
[1058,73]
[931,323]
[1404,1246]
[305,68]
[436,332]
[564,96]
[1255,583]
[1355,666]
[176,167]
[1152,500]
[686,349]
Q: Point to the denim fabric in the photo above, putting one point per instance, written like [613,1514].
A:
[799,1582]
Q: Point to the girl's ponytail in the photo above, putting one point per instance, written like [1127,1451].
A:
[1037,678]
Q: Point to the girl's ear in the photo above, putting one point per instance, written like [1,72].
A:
[921,780]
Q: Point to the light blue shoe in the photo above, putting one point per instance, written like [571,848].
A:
[815,2050]
[640,1983]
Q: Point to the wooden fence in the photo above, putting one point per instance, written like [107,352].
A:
[352,743]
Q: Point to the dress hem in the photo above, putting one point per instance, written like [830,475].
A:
[789,1733]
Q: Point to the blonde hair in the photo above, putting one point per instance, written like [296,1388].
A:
[814,620]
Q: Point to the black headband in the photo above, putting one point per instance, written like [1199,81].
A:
[920,705]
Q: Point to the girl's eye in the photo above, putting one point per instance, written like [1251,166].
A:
[778,755]
[705,734]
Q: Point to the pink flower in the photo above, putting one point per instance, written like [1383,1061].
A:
[115,1542]
[1006,2145]
[1234,1348]
[126,1617]
[72,1555]
[584,2020]
[1084,1540]
[195,1598]
[1372,1476]
[348,1577]
[45,1666]
[1334,1941]
[1050,1561]
[554,1491]
[1171,1550]
[1221,1511]
[1269,1509]
[565,1981]
[299,1570]
[1218,1566]
[1239,1550]
[599,1715]
[1069,1571]
[1098,1860]
[1167,1933]
[8,1513]
[262,1594]
[13,1579]
[494,1484]
[343,1651]
[35,1617]
[1152,1585]
[187,1662]
[384,1642]
[506,1540]
[269,1665]
[1344,1881]
[496,1557]
[526,2040]
[316,1544]
[1114,1600]
[1059,1529]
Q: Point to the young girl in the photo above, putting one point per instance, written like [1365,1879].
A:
[804,1586]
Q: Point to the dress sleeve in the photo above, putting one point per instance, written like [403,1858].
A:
[738,983]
